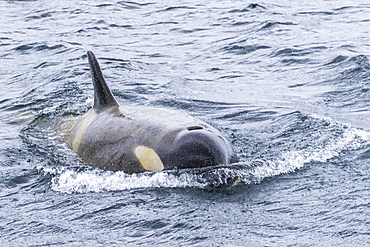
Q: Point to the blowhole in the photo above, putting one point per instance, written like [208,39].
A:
[197,127]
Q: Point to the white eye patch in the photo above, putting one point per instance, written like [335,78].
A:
[148,158]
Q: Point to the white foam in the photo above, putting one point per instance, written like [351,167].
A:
[290,161]
[70,181]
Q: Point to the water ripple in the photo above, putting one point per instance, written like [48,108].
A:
[281,81]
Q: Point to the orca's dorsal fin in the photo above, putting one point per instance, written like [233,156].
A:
[103,97]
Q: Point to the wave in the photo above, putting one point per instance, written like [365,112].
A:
[289,161]
[272,24]
[244,49]
[39,47]
[250,7]
[295,52]
[351,85]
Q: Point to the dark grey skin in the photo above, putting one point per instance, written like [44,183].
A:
[108,136]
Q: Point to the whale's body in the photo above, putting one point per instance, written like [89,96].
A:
[139,139]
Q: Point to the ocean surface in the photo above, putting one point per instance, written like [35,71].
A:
[288,82]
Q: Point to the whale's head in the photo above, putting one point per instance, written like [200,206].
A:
[199,150]
[196,147]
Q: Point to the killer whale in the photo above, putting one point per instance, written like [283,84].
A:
[139,139]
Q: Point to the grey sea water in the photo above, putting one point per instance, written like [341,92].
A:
[288,82]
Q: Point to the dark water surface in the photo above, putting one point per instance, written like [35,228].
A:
[287,81]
